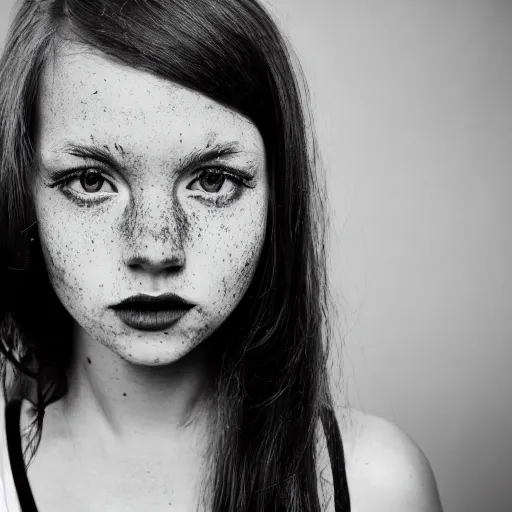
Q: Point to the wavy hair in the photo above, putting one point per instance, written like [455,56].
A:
[271,385]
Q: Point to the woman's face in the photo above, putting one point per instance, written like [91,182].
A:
[131,198]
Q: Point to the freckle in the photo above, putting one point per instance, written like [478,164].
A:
[89,360]
[124,394]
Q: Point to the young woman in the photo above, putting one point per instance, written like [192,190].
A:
[164,306]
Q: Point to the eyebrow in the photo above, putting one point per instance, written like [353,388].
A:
[196,157]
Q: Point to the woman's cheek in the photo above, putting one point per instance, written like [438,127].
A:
[71,262]
[225,257]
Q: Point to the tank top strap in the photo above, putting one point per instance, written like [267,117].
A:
[14,448]
[8,499]
[337,458]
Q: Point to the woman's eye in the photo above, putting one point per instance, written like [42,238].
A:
[91,182]
[211,182]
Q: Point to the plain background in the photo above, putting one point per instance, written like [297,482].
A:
[413,106]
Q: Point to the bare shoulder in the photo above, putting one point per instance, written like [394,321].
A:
[386,469]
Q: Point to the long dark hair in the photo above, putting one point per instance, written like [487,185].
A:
[270,385]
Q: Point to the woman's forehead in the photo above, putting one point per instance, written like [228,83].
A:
[82,92]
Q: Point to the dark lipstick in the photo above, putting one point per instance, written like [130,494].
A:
[151,313]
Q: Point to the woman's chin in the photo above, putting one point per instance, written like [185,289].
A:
[155,352]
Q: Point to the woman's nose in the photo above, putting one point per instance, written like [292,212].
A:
[155,240]
[155,259]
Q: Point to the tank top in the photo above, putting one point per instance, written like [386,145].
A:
[26,498]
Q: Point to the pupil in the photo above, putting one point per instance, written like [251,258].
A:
[212,182]
[91,179]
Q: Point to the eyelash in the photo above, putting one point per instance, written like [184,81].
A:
[62,178]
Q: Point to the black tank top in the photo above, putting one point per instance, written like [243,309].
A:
[26,499]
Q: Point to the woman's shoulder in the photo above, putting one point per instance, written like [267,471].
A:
[386,469]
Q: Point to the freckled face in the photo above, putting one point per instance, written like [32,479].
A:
[144,187]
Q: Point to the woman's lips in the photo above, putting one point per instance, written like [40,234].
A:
[147,320]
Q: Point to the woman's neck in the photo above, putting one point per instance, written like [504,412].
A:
[121,402]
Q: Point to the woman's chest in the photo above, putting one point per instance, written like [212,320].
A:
[61,486]
[83,485]
[84,477]
[73,476]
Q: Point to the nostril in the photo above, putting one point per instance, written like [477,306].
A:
[157,264]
